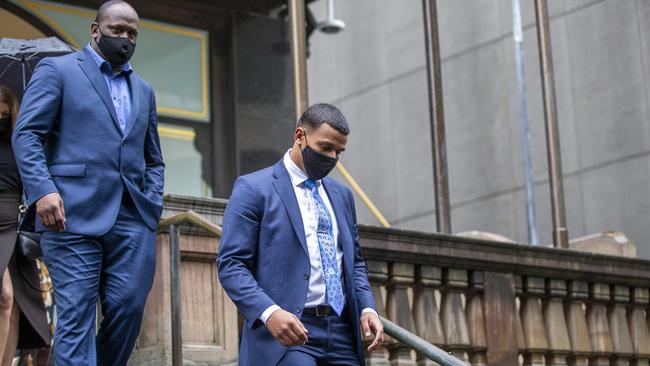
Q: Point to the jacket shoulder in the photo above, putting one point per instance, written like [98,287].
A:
[258,177]
[143,83]
[61,61]
[338,185]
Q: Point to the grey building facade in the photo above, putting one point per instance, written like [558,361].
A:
[375,72]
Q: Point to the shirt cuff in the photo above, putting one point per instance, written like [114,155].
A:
[268,312]
[369,310]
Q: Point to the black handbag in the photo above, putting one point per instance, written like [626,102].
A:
[28,241]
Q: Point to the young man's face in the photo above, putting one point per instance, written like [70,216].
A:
[325,139]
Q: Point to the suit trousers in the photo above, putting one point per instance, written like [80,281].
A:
[330,342]
[118,267]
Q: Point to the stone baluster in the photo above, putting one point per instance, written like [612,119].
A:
[621,340]
[519,331]
[476,320]
[599,333]
[454,322]
[577,323]
[639,327]
[533,321]
[425,308]
[556,325]
[378,276]
[399,310]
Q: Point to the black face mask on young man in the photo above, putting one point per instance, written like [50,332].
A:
[317,165]
[117,50]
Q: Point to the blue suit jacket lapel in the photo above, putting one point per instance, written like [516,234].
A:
[135,103]
[284,187]
[90,69]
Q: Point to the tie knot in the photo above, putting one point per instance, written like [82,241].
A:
[310,184]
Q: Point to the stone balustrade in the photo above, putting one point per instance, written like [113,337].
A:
[502,304]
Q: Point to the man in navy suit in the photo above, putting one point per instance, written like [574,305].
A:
[290,256]
[88,151]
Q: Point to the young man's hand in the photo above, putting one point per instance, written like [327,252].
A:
[286,328]
[370,324]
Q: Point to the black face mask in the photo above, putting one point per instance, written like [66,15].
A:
[5,125]
[117,50]
[317,165]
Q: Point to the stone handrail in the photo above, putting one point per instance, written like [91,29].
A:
[491,303]
[190,218]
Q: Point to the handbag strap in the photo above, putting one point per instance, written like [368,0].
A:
[26,216]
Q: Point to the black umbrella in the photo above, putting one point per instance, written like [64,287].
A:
[18,58]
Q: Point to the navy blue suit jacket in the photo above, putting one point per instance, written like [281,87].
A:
[264,260]
[68,140]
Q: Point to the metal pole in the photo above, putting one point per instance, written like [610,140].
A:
[330,9]
[175,269]
[420,345]
[23,62]
[523,122]
[437,116]
[298,55]
[560,234]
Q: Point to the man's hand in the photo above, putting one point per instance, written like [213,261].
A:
[286,328]
[370,324]
[49,209]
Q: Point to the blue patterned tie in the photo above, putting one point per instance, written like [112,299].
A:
[327,251]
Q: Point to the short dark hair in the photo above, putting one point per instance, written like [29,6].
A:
[320,113]
[105,6]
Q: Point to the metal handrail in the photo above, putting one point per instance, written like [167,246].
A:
[173,224]
[421,346]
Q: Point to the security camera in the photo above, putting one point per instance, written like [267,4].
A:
[331,25]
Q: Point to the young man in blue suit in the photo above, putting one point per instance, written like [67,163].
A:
[88,151]
[290,256]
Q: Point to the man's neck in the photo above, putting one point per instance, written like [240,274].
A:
[296,157]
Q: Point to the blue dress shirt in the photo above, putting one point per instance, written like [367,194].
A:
[118,87]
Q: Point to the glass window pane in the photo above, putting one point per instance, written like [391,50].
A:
[186,165]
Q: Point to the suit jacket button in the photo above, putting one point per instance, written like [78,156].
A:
[298,309]
[305,276]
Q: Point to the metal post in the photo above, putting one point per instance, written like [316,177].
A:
[330,9]
[298,55]
[560,234]
[23,62]
[523,122]
[437,116]
[175,269]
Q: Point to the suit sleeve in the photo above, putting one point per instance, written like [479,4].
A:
[239,243]
[365,298]
[40,107]
[155,167]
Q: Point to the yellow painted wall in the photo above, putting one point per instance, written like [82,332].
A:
[12,26]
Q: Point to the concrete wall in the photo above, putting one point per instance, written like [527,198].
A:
[374,71]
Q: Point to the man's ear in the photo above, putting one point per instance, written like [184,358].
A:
[299,135]
[94,29]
